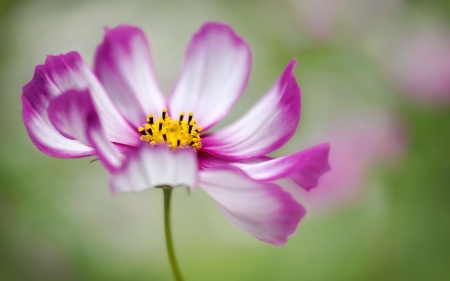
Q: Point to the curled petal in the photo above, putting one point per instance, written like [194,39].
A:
[265,128]
[304,167]
[74,116]
[69,112]
[47,138]
[151,166]
[215,72]
[67,72]
[35,100]
[124,65]
[261,209]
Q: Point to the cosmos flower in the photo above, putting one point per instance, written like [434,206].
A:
[117,113]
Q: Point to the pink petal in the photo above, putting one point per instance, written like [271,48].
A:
[74,116]
[123,64]
[46,138]
[148,167]
[35,99]
[304,167]
[266,127]
[69,72]
[68,113]
[214,74]
[261,209]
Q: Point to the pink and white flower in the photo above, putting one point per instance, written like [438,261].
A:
[117,113]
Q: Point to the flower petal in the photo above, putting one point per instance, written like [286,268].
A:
[123,64]
[304,167]
[215,72]
[151,166]
[35,99]
[208,161]
[261,209]
[73,115]
[69,72]
[265,128]
[69,112]
[46,138]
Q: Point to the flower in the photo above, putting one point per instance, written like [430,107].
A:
[117,113]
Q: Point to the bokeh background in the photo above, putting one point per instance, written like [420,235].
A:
[375,79]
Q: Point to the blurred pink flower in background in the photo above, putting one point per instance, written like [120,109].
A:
[356,146]
[419,65]
[321,20]
[318,18]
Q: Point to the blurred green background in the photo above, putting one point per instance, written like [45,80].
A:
[356,61]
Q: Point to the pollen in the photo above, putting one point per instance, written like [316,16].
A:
[176,134]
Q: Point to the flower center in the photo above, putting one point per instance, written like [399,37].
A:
[175,133]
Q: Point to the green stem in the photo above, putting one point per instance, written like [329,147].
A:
[170,250]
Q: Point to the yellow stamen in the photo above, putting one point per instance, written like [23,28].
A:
[181,116]
[175,134]
[150,119]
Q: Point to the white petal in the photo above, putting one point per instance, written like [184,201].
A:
[261,209]
[123,64]
[265,128]
[214,74]
[151,166]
